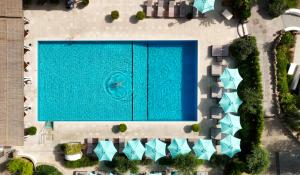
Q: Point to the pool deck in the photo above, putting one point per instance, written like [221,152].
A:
[50,22]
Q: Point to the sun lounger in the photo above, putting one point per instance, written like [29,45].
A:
[216,51]
[149,8]
[121,144]
[216,70]
[216,133]
[201,173]
[89,145]
[195,12]
[245,29]
[191,141]
[81,173]
[225,50]
[160,8]
[218,149]
[216,112]
[171,9]
[182,9]
[216,92]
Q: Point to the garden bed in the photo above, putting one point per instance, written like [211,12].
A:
[289,102]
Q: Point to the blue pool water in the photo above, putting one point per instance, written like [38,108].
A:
[117,80]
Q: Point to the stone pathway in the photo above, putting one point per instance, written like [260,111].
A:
[275,137]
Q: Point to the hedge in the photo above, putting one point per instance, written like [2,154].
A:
[250,91]
[241,8]
[85,161]
[288,102]
[121,164]
[46,170]
[246,54]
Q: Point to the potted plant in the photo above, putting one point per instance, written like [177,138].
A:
[122,127]
[140,15]
[72,151]
[114,15]
[195,127]
[30,131]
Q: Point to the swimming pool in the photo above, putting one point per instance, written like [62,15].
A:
[117,80]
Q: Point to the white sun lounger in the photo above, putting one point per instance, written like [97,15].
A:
[149,8]
[171,9]
[160,8]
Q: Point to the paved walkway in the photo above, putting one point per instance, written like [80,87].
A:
[264,31]
[275,137]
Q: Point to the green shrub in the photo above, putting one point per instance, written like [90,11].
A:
[276,7]
[114,14]
[187,164]
[245,51]
[85,2]
[218,161]
[85,161]
[288,39]
[140,15]
[235,167]
[242,8]
[166,161]
[54,1]
[31,130]
[146,161]
[72,148]
[195,128]
[242,48]
[121,164]
[27,2]
[258,161]
[41,2]
[122,127]
[46,170]
[20,166]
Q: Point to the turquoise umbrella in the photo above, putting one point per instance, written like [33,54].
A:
[155,173]
[179,146]
[231,78]
[155,149]
[230,145]
[105,150]
[204,149]
[230,102]
[230,124]
[204,5]
[134,150]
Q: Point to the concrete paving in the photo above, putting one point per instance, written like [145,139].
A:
[50,22]
[275,137]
